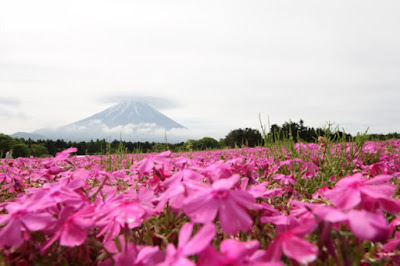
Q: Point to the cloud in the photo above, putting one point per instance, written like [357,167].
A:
[12,116]
[161,103]
[315,61]
[131,132]
[9,101]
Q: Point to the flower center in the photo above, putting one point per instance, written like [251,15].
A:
[221,193]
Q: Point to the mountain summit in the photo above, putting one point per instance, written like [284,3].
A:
[137,113]
[131,121]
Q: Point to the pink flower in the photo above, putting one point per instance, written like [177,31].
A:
[202,206]
[378,169]
[73,229]
[18,222]
[61,192]
[132,255]
[320,192]
[187,246]
[153,163]
[234,252]
[61,156]
[364,225]
[310,170]
[276,192]
[368,226]
[183,175]
[395,222]
[257,191]
[322,212]
[351,191]
[291,244]
[175,194]
[216,171]
[285,179]
[176,189]
[65,153]
[283,222]
[118,214]
[392,244]
[22,216]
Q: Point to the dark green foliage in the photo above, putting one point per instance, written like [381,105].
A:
[38,150]
[377,137]
[20,150]
[159,147]
[297,132]
[243,137]
[205,143]
[6,143]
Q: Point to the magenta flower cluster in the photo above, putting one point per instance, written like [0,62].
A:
[226,207]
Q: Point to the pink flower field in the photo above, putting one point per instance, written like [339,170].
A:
[331,204]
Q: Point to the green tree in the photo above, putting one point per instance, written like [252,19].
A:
[298,132]
[51,146]
[207,143]
[92,147]
[190,144]
[6,144]
[243,137]
[20,150]
[201,144]
[61,145]
[38,150]
[291,130]
[159,147]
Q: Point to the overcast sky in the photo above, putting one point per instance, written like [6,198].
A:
[212,66]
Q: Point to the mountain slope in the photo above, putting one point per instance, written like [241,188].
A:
[130,121]
[130,113]
[25,135]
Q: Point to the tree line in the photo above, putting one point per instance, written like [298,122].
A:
[21,147]
[296,132]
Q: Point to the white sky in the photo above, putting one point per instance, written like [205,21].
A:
[217,64]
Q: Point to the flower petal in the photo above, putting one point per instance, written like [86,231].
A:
[72,235]
[184,234]
[300,250]
[200,241]
[233,217]
[236,250]
[368,226]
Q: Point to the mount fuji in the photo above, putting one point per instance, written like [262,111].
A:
[130,121]
[129,113]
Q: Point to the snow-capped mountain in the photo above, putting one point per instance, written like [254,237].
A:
[131,121]
[130,113]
